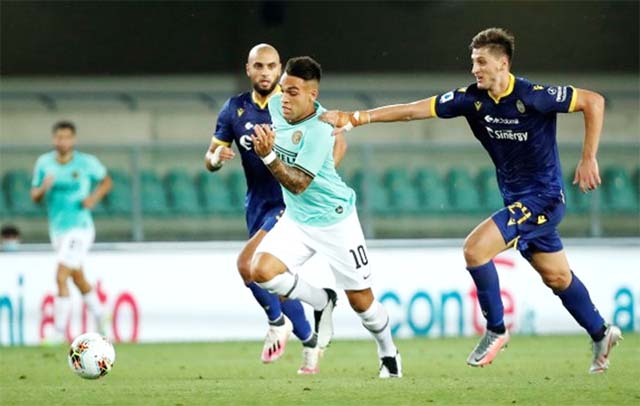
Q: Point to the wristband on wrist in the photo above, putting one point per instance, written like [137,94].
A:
[270,157]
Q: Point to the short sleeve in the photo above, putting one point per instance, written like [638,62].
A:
[224,125]
[97,171]
[553,99]
[38,174]
[450,104]
[315,148]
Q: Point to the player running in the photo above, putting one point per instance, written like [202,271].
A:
[515,121]
[65,178]
[320,216]
[263,203]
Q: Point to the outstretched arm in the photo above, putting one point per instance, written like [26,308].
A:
[587,175]
[345,121]
[293,179]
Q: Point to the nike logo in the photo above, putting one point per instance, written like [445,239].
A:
[366,277]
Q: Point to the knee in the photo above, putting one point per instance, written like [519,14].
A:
[556,280]
[474,255]
[360,301]
[244,268]
[260,271]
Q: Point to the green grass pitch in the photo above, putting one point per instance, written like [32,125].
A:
[533,370]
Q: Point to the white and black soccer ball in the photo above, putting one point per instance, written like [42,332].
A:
[91,356]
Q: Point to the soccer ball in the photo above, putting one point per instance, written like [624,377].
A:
[91,356]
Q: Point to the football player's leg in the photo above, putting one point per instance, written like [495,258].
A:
[293,309]
[62,303]
[376,319]
[268,301]
[486,241]
[554,269]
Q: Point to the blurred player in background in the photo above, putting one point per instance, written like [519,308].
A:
[320,216]
[65,178]
[515,121]
[264,203]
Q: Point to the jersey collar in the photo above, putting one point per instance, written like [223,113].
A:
[263,105]
[512,81]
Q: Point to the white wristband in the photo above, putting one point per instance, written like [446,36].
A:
[271,156]
[214,157]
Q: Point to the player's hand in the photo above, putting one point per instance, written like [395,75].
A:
[263,138]
[587,175]
[89,202]
[219,156]
[343,121]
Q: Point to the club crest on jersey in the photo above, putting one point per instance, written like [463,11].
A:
[538,87]
[478,105]
[296,137]
[240,112]
[520,106]
[75,175]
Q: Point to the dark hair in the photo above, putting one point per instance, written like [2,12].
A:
[497,39]
[62,125]
[304,67]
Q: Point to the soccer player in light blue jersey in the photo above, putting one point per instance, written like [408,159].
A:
[71,183]
[263,203]
[515,121]
[320,216]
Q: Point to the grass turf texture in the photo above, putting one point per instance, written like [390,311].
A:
[533,370]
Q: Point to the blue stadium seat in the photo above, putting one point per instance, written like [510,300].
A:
[370,191]
[119,201]
[463,192]
[577,202]
[154,199]
[237,186]
[432,192]
[17,187]
[403,196]
[181,190]
[619,193]
[490,196]
[214,193]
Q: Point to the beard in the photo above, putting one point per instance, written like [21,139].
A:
[267,91]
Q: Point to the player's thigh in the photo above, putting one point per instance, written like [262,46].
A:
[345,248]
[73,247]
[484,242]
[285,242]
[553,267]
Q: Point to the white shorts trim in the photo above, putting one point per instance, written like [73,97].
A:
[342,244]
[73,246]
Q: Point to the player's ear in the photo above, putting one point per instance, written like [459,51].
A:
[246,69]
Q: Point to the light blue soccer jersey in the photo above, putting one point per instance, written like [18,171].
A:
[308,146]
[73,182]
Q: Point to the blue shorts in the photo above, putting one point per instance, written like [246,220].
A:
[265,220]
[530,224]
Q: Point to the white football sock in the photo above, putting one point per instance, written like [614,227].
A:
[61,308]
[94,305]
[376,320]
[291,286]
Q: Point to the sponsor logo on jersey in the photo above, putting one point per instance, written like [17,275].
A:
[520,106]
[446,97]
[478,104]
[240,112]
[248,125]
[296,137]
[500,120]
[507,135]
[552,90]
[562,94]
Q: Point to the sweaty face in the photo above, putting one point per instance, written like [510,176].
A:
[298,97]
[64,140]
[263,69]
[487,66]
